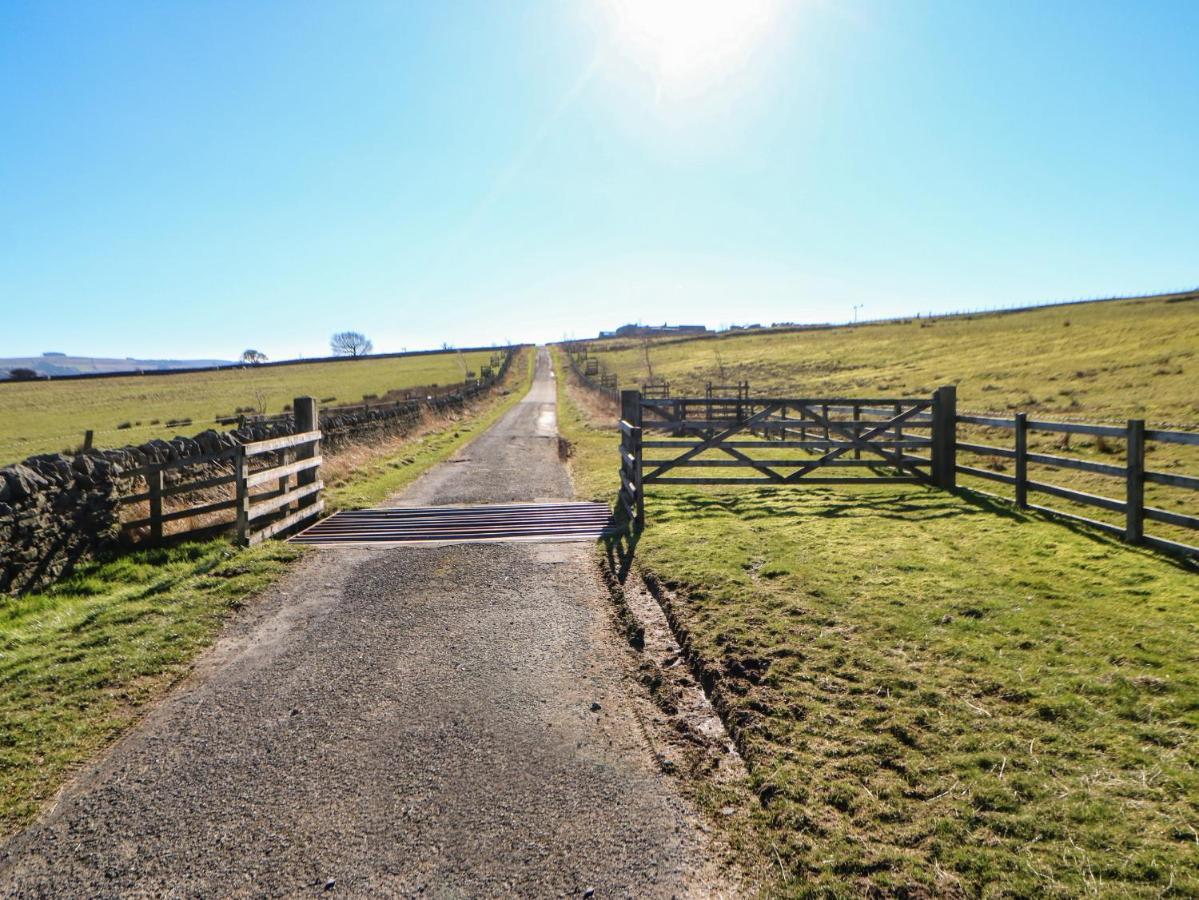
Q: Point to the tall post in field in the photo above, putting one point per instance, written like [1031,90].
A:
[306,420]
[1134,511]
[945,437]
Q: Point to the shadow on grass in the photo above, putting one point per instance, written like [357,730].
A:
[621,548]
[821,503]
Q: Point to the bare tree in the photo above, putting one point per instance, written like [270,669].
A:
[649,366]
[720,367]
[253,357]
[350,343]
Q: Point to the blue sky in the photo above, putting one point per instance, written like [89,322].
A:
[189,179]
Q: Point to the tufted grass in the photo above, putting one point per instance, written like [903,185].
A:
[80,660]
[935,696]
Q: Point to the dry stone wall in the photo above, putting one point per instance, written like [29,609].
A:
[57,509]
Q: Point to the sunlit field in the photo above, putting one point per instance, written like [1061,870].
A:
[49,416]
[935,696]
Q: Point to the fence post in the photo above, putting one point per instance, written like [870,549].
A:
[1134,521]
[88,436]
[1022,460]
[154,486]
[945,441]
[630,411]
[857,431]
[306,420]
[241,467]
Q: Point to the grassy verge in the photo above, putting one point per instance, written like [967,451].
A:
[79,661]
[935,697]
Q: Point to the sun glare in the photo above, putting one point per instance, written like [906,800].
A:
[691,42]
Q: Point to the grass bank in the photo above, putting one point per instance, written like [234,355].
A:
[48,416]
[80,661]
[934,696]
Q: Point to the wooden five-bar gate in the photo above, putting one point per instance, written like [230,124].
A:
[780,442]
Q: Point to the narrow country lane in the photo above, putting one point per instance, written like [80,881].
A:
[448,721]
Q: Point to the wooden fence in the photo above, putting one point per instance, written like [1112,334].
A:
[1133,474]
[591,372]
[885,436]
[261,488]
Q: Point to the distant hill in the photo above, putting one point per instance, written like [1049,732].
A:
[64,364]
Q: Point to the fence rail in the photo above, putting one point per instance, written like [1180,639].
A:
[292,464]
[1133,473]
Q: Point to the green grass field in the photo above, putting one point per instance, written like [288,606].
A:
[79,661]
[1096,362]
[934,696]
[1093,361]
[48,416]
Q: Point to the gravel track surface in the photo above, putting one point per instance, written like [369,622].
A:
[445,721]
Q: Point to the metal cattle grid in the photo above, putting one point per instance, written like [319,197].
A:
[461,524]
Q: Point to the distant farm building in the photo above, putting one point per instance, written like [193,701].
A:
[654,330]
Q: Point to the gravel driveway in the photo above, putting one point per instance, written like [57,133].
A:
[444,721]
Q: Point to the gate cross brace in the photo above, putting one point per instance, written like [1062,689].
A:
[714,441]
[857,441]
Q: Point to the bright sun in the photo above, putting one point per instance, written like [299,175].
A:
[691,41]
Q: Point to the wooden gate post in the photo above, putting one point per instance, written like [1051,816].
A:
[630,411]
[304,411]
[945,438]
[1134,509]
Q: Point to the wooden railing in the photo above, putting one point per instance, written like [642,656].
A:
[909,440]
[1133,474]
[261,488]
[305,494]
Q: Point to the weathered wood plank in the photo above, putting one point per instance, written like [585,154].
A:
[1171,518]
[1077,496]
[1077,428]
[1170,546]
[275,528]
[986,473]
[990,421]
[786,463]
[1182,481]
[1082,465]
[258,510]
[786,444]
[281,443]
[882,479]
[1172,437]
[986,450]
[300,465]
